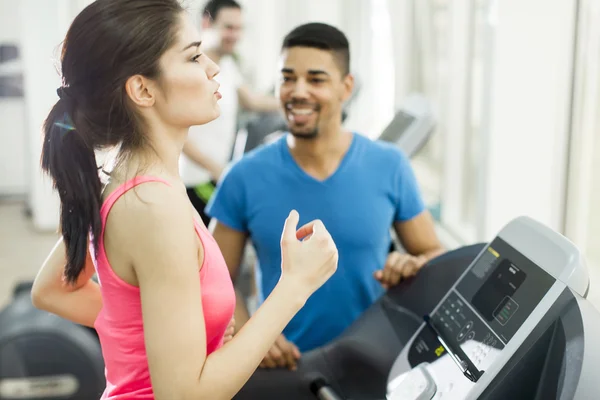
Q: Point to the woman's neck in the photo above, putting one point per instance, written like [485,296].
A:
[156,158]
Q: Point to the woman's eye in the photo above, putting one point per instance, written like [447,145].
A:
[196,57]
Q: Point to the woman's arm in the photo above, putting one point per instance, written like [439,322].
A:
[79,303]
[165,252]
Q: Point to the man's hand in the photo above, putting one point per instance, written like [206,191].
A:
[398,267]
[283,354]
[229,331]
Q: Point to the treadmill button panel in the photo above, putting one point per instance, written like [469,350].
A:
[459,322]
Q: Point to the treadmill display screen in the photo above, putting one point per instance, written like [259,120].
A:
[493,299]
[401,122]
[504,287]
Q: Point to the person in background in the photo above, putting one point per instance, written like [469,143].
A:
[208,148]
[134,78]
[360,188]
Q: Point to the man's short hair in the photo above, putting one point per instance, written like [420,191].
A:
[321,36]
[212,8]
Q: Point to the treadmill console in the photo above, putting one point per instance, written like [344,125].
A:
[480,322]
[411,126]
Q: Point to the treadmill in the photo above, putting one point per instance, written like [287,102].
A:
[506,319]
[412,125]
[514,325]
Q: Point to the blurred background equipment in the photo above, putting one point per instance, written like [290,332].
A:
[43,356]
[412,125]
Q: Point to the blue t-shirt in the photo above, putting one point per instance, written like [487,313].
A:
[373,186]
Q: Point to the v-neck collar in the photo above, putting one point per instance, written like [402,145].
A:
[287,154]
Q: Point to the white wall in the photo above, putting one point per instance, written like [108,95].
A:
[530,88]
[41,56]
[583,213]
[13,151]
[259,47]
[40,46]
[261,43]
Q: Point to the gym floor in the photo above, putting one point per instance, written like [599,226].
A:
[23,250]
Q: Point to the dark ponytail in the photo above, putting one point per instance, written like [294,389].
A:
[107,43]
[71,162]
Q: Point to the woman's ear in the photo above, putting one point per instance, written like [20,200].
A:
[140,90]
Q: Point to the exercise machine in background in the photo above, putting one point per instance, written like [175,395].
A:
[412,126]
[43,356]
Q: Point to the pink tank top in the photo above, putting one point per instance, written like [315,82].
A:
[119,323]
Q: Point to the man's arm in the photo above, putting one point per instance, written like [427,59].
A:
[256,102]
[232,243]
[418,237]
[202,159]
[413,225]
[420,241]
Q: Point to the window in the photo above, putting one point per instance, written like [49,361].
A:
[593,237]
[382,65]
[476,95]
[369,31]
[451,70]
[429,74]
[582,211]
[592,90]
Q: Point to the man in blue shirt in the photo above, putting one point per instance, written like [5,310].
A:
[359,188]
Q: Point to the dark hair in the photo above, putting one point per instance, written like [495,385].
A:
[108,42]
[324,37]
[212,8]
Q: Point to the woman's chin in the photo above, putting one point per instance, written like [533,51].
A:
[209,117]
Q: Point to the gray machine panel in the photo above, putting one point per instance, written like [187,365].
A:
[411,126]
[488,314]
[588,385]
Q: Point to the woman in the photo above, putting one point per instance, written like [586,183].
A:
[134,77]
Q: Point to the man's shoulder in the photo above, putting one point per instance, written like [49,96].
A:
[380,150]
[260,157]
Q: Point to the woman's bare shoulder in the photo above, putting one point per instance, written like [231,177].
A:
[151,214]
